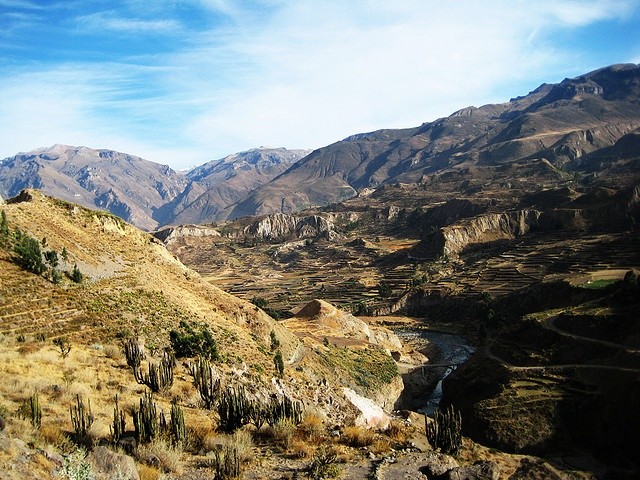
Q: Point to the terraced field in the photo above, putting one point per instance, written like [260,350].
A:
[349,272]
[55,313]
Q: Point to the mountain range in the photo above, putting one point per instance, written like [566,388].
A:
[144,193]
[556,127]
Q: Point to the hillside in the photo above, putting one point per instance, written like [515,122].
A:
[132,287]
[533,255]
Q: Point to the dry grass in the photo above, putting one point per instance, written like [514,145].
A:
[299,448]
[398,431]
[147,472]
[160,454]
[283,432]
[312,428]
[242,442]
[358,437]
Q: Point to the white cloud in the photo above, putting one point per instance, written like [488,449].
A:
[111,20]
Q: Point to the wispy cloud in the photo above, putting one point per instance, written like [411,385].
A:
[112,20]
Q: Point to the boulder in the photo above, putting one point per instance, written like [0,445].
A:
[108,464]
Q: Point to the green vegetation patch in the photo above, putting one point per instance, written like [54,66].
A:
[147,309]
[371,368]
[598,284]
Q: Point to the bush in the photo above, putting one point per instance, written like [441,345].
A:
[324,464]
[28,254]
[76,275]
[189,342]
[279,363]
[77,467]
[384,289]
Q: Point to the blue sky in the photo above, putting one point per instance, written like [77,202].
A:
[185,82]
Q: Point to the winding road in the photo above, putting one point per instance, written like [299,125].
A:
[549,324]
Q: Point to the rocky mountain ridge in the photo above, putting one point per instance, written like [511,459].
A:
[551,132]
[142,192]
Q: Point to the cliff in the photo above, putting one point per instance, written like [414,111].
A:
[284,226]
[452,240]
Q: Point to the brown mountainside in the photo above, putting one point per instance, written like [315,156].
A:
[554,126]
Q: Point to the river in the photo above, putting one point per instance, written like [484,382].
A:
[446,352]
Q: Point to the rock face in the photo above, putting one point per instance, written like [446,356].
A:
[108,464]
[280,226]
[450,241]
[172,235]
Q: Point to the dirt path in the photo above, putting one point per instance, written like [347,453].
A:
[491,355]
[549,323]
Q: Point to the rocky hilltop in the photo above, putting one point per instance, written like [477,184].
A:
[125,185]
[218,184]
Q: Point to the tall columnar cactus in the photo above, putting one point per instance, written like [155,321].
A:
[227,463]
[283,409]
[145,419]
[178,432]
[81,417]
[35,412]
[444,431]
[233,409]
[134,353]
[119,424]
[206,382]
[159,376]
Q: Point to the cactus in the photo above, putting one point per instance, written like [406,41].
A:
[81,417]
[283,409]
[134,353]
[118,427]
[177,431]
[444,432]
[227,463]
[206,382]
[233,409]
[35,413]
[160,376]
[145,420]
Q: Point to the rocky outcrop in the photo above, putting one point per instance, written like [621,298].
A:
[108,464]
[337,322]
[279,226]
[452,240]
[171,235]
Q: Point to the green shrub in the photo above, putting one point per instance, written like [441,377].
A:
[189,342]
[76,275]
[279,363]
[77,467]
[324,464]
[28,254]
